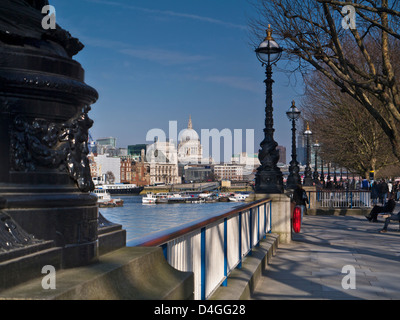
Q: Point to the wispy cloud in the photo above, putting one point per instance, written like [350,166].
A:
[164,57]
[236,82]
[172,14]
[154,54]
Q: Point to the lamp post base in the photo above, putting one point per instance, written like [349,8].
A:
[269,181]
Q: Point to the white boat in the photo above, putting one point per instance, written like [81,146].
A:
[121,189]
[238,197]
[104,199]
[149,198]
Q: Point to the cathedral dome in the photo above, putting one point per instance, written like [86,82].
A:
[188,134]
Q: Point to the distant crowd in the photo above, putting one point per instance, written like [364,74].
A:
[380,189]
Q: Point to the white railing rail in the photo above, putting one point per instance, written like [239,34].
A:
[342,199]
[212,248]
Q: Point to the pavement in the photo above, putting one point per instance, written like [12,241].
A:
[335,258]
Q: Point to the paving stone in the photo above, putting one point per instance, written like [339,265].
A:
[311,266]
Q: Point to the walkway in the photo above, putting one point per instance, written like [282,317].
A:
[311,266]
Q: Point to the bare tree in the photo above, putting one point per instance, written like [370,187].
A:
[362,62]
[349,135]
[110,178]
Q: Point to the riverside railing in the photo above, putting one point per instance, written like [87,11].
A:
[341,198]
[213,247]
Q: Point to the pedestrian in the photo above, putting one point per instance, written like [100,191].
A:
[387,208]
[301,199]
[374,193]
[385,191]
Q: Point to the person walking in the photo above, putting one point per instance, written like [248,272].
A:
[374,193]
[385,191]
[301,199]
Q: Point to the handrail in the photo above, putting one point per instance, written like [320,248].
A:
[213,247]
[156,241]
[339,198]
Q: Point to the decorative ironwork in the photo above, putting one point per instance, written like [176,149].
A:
[13,236]
[41,145]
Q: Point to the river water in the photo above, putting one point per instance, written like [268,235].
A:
[141,220]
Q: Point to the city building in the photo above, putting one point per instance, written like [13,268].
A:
[135,171]
[198,173]
[301,145]
[163,161]
[282,154]
[136,150]
[230,172]
[250,162]
[108,168]
[110,141]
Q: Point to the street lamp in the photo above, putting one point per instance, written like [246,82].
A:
[316,149]
[294,177]
[308,181]
[269,178]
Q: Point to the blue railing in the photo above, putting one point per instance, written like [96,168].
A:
[214,247]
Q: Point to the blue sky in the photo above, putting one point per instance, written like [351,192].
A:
[162,60]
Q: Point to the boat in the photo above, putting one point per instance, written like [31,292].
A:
[149,198]
[104,199]
[121,189]
[238,197]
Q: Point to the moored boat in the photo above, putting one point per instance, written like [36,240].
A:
[238,197]
[121,189]
[104,199]
[149,198]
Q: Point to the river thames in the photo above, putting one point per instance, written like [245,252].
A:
[142,220]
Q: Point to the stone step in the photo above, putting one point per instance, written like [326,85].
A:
[130,273]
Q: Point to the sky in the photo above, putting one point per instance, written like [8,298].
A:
[158,61]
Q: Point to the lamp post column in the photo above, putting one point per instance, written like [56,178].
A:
[269,178]
[294,176]
[308,181]
[316,175]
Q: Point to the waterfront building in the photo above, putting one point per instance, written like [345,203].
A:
[135,171]
[106,165]
[198,173]
[230,172]
[250,162]
[162,158]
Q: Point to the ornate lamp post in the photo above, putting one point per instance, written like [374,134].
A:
[328,177]
[322,173]
[316,148]
[308,181]
[294,177]
[269,178]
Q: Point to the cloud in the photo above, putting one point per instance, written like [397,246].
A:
[164,57]
[172,14]
[241,83]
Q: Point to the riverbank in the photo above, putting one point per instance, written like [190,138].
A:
[189,188]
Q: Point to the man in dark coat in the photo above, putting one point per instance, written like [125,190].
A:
[387,208]
[301,199]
